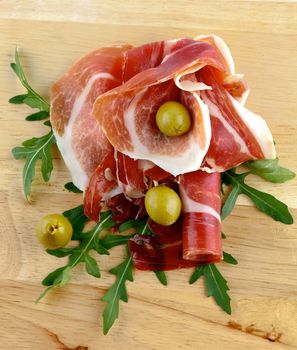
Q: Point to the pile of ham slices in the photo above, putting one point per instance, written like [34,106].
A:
[103,116]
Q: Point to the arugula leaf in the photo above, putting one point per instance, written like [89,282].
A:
[37,116]
[269,204]
[18,99]
[161,277]
[37,148]
[88,241]
[263,201]
[114,240]
[269,170]
[230,202]
[78,220]
[32,98]
[33,150]
[229,259]
[72,188]
[216,285]
[197,274]
[60,252]
[92,267]
[117,292]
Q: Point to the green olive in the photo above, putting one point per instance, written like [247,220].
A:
[163,205]
[173,119]
[54,231]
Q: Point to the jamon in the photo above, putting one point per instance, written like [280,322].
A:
[102,182]
[79,137]
[164,73]
[238,135]
[201,231]
[124,209]
[133,105]
[130,176]
[162,251]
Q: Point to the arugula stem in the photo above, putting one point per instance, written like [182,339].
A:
[86,248]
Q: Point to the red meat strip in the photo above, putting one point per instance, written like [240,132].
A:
[162,251]
[201,231]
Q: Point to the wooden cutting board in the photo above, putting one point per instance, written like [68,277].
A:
[52,35]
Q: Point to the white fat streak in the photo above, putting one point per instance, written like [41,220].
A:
[213,167]
[230,78]
[79,176]
[216,113]
[258,127]
[223,48]
[186,162]
[115,191]
[191,86]
[190,206]
[188,85]
[169,44]
[129,120]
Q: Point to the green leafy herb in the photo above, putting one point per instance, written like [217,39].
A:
[269,170]
[37,116]
[216,285]
[78,220]
[114,240]
[230,202]
[117,292]
[72,188]
[263,201]
[161,277]
[33,150]
[228,258]
[31,98]
[88,241]
[37,148]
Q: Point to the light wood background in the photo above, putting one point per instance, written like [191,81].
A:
[52,35]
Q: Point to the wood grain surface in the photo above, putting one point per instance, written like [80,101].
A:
[52,35]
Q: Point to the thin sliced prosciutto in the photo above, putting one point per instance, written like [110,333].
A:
[178,70]
[160,252]
[124,209]
[102,185]
[130,176]
[238,135]
[79,136]
[201,230]
[133,131]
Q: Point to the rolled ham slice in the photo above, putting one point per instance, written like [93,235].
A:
[161,251]
[201,224]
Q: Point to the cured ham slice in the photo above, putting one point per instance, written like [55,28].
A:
[124,209]
[238,135]
[201,231]
[130,176]
[156,173]
[160,252]
[132,129]
[101,186]
[233,83]
[79,137]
